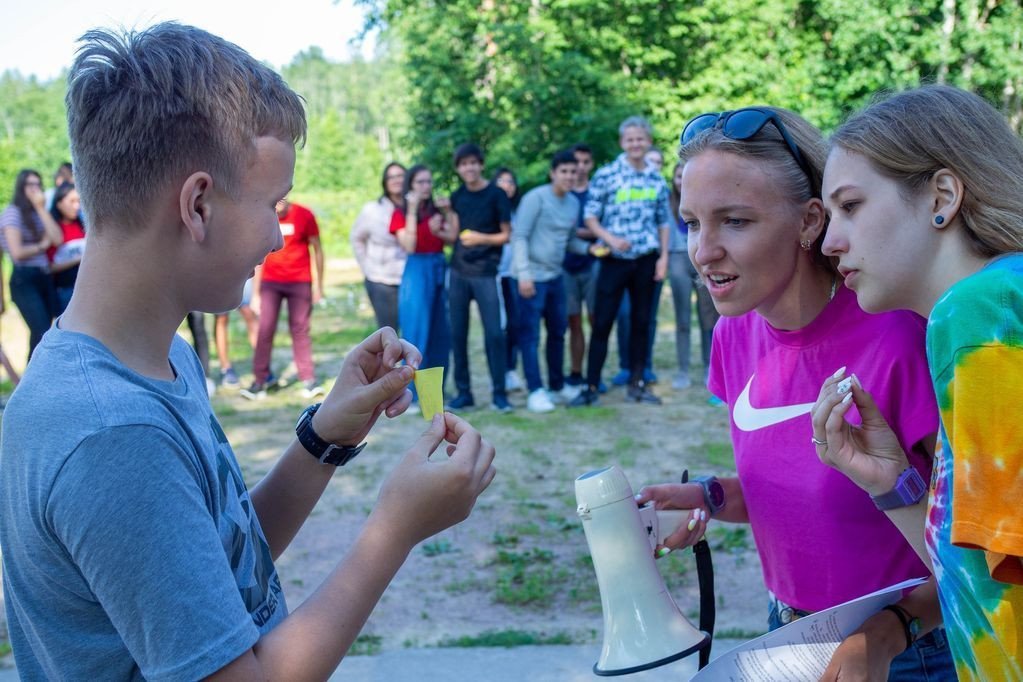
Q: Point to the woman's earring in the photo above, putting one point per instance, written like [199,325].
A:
[805,244]
[939,219]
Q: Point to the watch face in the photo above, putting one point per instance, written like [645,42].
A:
[717,494]
[911,486]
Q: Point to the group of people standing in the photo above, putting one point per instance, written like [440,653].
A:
[43,233]
[604,244]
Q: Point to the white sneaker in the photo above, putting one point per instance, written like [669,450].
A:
[539,401]
[512,382]
[681,381]
[569,393]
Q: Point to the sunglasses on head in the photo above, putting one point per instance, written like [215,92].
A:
[743,124]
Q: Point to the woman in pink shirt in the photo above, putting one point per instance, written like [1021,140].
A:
[751,203]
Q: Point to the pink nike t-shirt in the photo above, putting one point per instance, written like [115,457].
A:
[820,538]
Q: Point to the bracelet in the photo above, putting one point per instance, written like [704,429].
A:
[905,619]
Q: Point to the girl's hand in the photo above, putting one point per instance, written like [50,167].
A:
[685,496]
[869,454]
[436,222]
[36,196]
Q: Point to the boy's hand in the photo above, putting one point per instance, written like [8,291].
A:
[618,243]
[373,379]
[661,269]
[470,238]
[424,494]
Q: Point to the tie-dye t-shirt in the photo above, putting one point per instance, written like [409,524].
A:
[975,520]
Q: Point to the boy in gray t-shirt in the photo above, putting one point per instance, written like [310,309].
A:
[544,228]
[131,546]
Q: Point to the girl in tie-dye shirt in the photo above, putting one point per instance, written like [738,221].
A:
[925,192]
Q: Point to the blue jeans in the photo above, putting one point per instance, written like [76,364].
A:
[548,303]
[928,660]
[32,292]
[423,309]
[462,290]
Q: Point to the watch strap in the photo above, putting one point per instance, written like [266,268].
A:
[909,489]
[325,451]
[910,625]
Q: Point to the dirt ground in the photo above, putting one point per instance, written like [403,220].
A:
[518,570]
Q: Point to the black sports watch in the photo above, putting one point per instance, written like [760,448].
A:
[713,493]
[327,453]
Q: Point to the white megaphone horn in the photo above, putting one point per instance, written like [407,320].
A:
[643,627]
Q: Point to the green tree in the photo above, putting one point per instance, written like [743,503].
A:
[33,128]
[525,78]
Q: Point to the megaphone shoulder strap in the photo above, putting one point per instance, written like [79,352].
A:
[708,612]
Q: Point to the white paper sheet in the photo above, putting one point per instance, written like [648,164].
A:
[802,649]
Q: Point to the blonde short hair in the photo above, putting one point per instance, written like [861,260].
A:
[147,107]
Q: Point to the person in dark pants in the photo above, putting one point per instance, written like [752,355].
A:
[482,217]
[628,211]
[27,231]
[545,225]
[506,180]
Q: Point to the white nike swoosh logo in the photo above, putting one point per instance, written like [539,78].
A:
[749,418]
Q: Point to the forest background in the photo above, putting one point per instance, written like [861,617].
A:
[524,78]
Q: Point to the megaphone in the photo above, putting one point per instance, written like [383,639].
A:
[643,627]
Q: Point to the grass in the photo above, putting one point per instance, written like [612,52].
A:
[366,645]
[527,578]
[731,538]
[507,639]
[522,553]
[437,547]
[718,454]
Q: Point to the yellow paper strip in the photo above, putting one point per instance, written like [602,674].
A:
[430,387]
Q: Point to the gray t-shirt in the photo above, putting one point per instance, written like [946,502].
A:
[544,226]
[130,546]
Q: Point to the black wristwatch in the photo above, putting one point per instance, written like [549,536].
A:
[327,453]
[713,493]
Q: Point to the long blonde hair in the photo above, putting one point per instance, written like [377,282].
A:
[910,136]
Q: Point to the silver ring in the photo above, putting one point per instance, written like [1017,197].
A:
[813,439]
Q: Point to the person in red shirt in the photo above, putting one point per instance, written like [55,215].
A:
[422,295]
[64,259]
[286,274]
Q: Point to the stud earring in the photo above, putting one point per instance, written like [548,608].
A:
[805,244]
[939,219]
